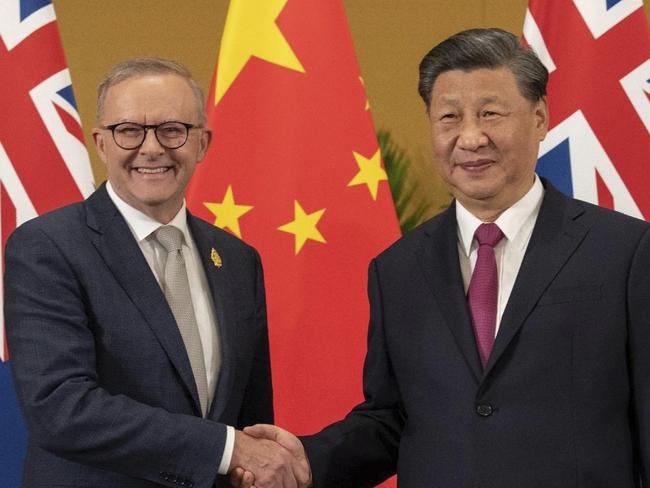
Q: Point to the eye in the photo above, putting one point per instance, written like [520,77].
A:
[448,117]
[170,130]
[128,130]
[489,114]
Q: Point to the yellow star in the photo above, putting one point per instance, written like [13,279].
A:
[370,172]
[303,226]
[251,30]
[227,213]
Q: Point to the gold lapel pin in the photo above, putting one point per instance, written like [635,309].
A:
[216,259]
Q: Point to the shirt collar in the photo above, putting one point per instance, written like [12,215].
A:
[510,221]
[140,224]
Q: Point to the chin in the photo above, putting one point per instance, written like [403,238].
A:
[478,191]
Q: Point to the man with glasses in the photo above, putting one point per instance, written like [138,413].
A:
[137,331]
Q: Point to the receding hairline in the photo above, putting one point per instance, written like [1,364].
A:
[143,67]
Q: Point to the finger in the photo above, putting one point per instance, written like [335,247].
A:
[248,480]
[288,479]
[263,431]
[283,437]
[236,477]
[301,471]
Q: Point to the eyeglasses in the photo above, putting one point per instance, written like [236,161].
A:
[171,135]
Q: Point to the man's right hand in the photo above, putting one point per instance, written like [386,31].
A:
[266,456]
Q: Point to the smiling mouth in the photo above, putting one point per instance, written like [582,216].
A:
[152,171]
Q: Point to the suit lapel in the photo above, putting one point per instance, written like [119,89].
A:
[440,264]
[116,245]
[221,292]
[556,236]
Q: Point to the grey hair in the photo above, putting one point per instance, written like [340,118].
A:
[484,48]
[132,68]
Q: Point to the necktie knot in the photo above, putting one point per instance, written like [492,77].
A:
[170,237]
[488,235]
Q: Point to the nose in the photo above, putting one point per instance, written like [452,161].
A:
[471,136]
[150,145]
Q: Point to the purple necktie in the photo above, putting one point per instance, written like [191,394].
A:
[484,288]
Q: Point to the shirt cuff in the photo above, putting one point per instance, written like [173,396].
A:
[227,450]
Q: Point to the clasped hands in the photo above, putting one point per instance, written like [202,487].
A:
[266,456]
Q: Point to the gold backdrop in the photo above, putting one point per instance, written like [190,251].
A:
[390,38]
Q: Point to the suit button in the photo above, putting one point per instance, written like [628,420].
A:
[484,410]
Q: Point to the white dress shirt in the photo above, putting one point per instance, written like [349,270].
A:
[517,224]
[143,227]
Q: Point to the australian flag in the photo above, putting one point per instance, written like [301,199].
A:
[43,162]
[598,56]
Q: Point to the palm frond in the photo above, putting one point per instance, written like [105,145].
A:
[410,209]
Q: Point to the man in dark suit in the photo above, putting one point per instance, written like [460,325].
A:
[522,360]
[138,332]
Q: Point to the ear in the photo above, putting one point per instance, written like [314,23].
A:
[204,143]
[99,138]
[541,117]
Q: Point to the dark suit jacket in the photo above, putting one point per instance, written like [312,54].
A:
[564,400]
[99,364]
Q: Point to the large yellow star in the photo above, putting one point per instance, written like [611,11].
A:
[370,172]
[303,226]
[227,212]
[251,30]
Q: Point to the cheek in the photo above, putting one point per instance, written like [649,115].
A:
[443,146]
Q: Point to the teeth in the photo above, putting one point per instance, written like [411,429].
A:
[151,170]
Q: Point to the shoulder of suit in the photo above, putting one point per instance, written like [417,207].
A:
[59,221]
[224,237]
[413,239]
[607,218]
[603,218]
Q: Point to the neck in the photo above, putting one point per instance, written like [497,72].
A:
[489,209]
[162,215]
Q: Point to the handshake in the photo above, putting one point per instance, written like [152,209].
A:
[266,456]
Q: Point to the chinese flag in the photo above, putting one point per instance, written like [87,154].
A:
[295,170]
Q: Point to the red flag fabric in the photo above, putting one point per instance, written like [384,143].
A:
[43,161]
[295,170]
[598,56]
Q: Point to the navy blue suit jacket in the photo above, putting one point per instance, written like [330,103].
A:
[564,400]
[99,365]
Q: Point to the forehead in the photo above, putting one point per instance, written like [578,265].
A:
[486,84]
[151,98]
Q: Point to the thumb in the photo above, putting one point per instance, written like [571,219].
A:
[274,433]
[263,431]
[291,443]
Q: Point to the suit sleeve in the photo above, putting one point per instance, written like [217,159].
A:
[361,450]
[639,347]
[67,411]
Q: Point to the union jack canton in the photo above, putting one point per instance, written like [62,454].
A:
[598,56]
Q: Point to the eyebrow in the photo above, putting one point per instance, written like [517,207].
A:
[482,101]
